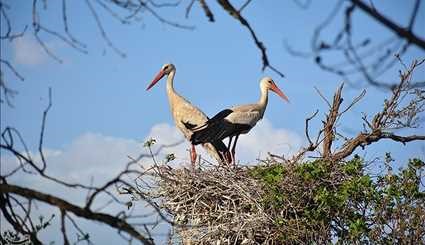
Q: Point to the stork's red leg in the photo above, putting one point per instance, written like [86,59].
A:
[234,149]
[193,155]
[228,155]
[230,142]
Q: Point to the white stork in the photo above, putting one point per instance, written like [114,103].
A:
[187,117]
[236,120]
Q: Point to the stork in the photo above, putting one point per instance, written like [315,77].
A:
[187,117]
[236,120]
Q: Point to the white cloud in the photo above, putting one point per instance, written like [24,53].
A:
[98,157]
[264,138]
[102,157]
[28,51]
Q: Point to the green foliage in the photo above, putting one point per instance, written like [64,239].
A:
[271,176]
[325,201]
[312,171]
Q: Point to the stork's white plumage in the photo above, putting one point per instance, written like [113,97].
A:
[236,120]
[187,116]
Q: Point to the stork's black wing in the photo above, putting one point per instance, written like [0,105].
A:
[220,116]
[217,130]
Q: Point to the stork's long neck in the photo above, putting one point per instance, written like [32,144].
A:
[262,103]
[170,87]
[173,96]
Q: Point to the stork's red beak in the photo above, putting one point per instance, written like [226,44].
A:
[275,89]
[156,79]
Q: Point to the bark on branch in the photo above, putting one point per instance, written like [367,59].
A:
[401,110]
[330,122]
[112,221]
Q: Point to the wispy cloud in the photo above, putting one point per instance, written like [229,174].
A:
[101,157]
[264,138]
[89,157]
[98,158]
[28,52]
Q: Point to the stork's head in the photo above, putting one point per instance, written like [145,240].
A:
[165,70]
[267,83]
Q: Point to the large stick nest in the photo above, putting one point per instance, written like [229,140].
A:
[216,205]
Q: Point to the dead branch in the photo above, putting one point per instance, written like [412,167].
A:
[393,116]
[400,111]
[17,203]
[128,11]
[365,59]
[226,5]
[401,32]
[211,205]
[43,126]
[307,129]
[207,10]
[329,124]
[63,205]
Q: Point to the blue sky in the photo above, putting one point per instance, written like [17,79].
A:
[102,96]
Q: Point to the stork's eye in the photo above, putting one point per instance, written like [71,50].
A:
[165,68]
[270,81]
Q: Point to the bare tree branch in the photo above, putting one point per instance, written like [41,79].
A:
[235,14]
[328,127]
[400,111]
[247,2]
[102,31]
[43,126]
[207,10]
[414,14]
[112,221]
[401,32]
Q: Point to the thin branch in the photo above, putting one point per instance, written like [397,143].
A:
[162,5]
[163,20]
[102,30]
[43,126]
[235,14]
[323,97]
[306,127]
[8,34]
[78,211]
[400,31]
[247,2]
[302,5]
[65,23]
[413,15]
[354,101]
[207,10]
[15,72]
[63,228]
[36,28]
[189,8]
